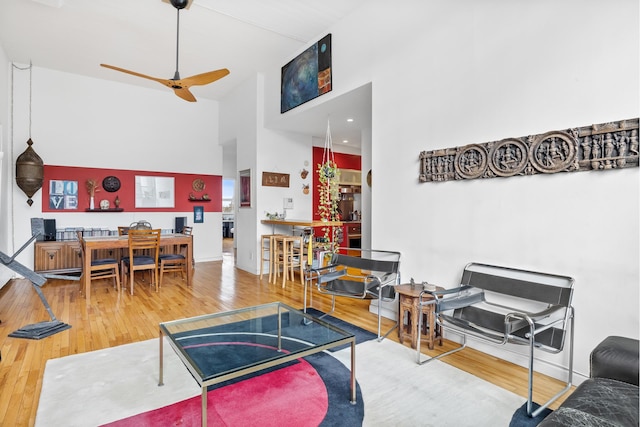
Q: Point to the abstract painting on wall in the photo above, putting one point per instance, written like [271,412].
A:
[307,76]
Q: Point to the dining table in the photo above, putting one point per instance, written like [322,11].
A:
[93,243]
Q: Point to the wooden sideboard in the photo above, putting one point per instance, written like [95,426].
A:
[62,256]
[65,256]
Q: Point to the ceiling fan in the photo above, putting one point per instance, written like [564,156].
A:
[180,86]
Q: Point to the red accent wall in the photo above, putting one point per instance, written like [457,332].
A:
[344,161]
[126,194]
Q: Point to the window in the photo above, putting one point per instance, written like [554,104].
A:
[227,196]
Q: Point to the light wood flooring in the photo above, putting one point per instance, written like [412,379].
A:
[112,319]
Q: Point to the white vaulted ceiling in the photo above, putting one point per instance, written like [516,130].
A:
[245,36]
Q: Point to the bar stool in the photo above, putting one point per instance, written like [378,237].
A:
[266,249]
[290,256]
[278,259]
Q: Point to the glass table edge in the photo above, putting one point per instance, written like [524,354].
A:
[164,325]
[205,380]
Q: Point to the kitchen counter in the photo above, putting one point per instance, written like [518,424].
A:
[302,222]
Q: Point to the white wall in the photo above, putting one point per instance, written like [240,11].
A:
[238,114]
[5,165]
[446,74]
[79,121]
[263,150]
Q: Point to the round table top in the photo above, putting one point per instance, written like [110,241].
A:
[413,290]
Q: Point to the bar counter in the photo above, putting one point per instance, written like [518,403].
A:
[302,222]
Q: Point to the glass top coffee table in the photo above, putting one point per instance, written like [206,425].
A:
[228,345]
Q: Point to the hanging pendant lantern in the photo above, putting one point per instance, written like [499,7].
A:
[29,166]
[29,171]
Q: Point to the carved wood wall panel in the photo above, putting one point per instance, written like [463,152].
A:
[600,147]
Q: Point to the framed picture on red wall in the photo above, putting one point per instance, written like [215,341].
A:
[198,214]
[63,194]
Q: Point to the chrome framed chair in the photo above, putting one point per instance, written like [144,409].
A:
[358,273]
[143,255]
[101,268]
[175,262]
[503,305]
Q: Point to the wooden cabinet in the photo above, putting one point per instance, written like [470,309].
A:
[350,177]
[65,256]
[58,257]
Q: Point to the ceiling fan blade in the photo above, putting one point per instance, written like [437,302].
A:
[133,73]
[184,93]
[204,78]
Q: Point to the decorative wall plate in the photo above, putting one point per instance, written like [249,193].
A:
[111,184]
[198,184]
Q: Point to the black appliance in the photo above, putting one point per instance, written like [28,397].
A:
[44,229]
[181,222]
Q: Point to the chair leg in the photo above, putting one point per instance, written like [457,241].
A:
[154,273]
[568,383]
[285,262]
[122,274]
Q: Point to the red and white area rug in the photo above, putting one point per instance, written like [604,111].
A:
[115,384]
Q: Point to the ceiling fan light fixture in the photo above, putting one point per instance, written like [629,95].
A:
[179,86]
[179,4]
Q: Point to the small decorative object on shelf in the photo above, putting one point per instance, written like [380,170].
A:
[111,184]
[104,204]
[116,202]
[274,215]
[205,198]
[92,187]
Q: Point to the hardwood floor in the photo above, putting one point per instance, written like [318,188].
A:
[113,319]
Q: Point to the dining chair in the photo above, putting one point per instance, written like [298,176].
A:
[143,255]
[101,268]
[123,231]
[177,261]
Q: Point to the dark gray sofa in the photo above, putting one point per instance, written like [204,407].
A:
[610,396]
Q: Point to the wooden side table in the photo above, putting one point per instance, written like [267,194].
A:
[409,296]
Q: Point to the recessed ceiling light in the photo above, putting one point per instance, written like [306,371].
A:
[345,141]
[349,119]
